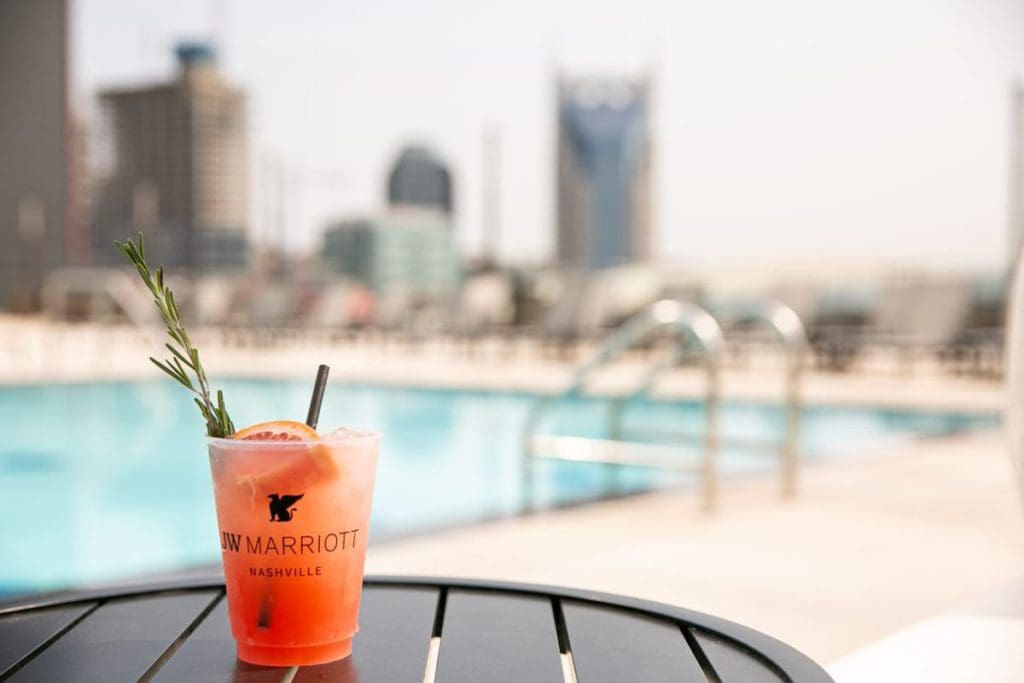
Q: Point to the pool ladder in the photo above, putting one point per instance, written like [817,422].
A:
[699,334]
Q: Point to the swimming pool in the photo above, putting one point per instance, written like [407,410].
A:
[107,480]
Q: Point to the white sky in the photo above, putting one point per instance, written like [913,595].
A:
[784,130]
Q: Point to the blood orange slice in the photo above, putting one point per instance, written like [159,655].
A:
[278,430]
[290,468]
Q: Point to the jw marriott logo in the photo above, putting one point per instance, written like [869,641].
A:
[281,509]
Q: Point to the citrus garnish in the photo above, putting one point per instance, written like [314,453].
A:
[299,470]
[278,430]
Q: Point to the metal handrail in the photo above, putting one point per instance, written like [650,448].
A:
[789,330]
[784,322]
[692,324]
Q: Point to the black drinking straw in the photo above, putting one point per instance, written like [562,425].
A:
[318,396]
[312,417]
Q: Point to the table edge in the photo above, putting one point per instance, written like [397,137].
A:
[786,659]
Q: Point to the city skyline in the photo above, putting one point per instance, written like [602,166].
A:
[791,132]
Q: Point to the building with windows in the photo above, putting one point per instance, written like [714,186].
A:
[419,178]
[408,252]
[180,169]
[41,226]
[603,214]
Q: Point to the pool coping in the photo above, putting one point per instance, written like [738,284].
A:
[882,402]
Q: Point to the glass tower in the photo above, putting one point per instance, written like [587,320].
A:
[603,214]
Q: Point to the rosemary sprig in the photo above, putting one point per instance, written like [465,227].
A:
[184,356]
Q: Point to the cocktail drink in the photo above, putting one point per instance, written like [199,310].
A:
[293,509]
[294,521]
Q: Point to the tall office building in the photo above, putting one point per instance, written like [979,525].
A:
[40,228]
[180,166]
[604,161]
[419,178]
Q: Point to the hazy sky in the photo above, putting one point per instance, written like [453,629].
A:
[785,130]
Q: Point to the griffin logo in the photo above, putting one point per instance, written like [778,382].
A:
[281,509]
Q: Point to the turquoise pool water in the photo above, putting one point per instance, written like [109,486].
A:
[108,480]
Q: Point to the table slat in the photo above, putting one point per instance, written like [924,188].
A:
[119,641]
[21,633]
[497,638]
[732,663]
[394,634]
[611,645]
[208,656]
[342,671]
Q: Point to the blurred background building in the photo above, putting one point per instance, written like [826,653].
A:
[604,167]
[419,178]
[180,167]
[406,252]
[41,179]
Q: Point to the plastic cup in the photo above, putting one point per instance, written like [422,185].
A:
[294,521]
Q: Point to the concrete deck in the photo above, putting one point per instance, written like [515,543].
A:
[871,545]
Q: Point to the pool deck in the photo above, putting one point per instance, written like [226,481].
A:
[870,546]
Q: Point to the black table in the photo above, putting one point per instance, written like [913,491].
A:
[471,631]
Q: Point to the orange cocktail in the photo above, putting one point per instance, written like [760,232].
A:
[294,521]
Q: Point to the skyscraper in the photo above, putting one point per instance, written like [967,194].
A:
[180,166]
[39,226]
[419,178]
[603,195]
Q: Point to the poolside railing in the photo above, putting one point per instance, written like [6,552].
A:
[699,336]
